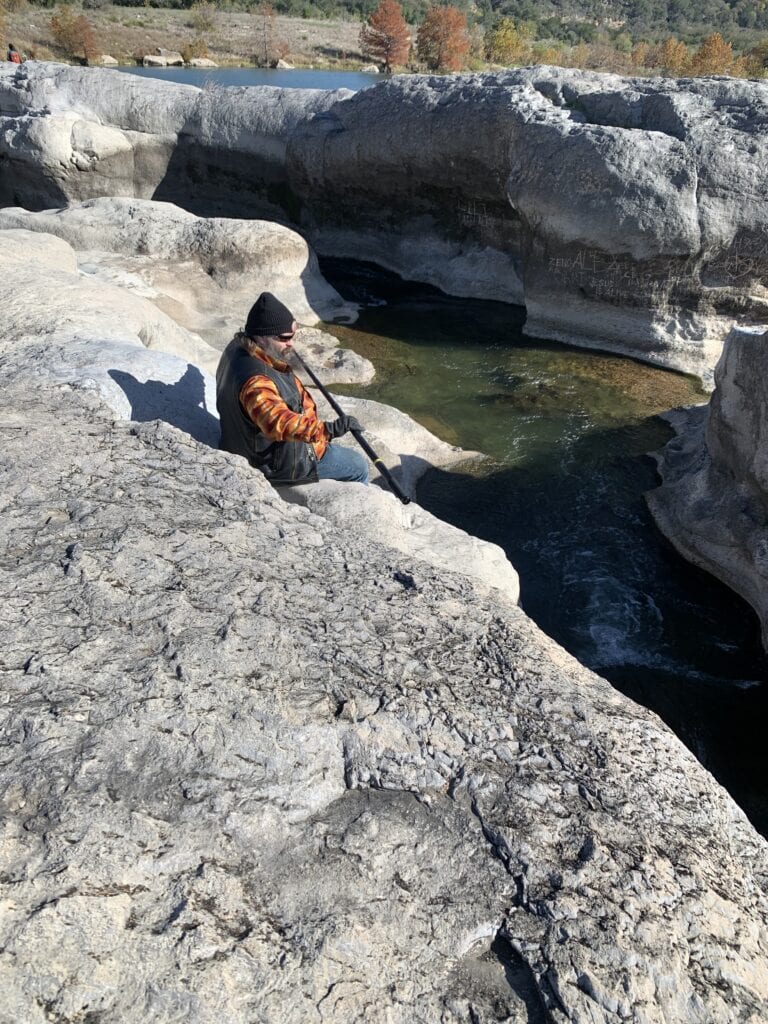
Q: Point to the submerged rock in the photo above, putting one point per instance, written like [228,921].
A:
[626,214]
[713,502]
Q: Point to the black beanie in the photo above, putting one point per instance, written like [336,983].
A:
[268,317]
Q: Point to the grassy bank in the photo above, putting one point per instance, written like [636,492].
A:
[229,38]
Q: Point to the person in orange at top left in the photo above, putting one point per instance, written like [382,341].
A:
[266,413]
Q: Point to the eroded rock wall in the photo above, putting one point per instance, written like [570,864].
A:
[713,502]
[81,133]
[626,214]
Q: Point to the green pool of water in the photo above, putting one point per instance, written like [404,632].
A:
[566,433]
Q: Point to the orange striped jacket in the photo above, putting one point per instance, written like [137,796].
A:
[265,408]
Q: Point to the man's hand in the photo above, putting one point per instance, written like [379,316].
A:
[341,426]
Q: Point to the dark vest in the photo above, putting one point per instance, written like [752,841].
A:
[282,462]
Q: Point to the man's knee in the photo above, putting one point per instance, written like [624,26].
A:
[357,467]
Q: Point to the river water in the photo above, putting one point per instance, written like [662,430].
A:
[299,78]
[566,432]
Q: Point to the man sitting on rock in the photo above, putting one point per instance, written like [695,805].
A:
[266,414]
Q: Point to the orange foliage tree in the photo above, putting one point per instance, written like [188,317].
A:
[74,34]
[442,41]
[713,57]
[674,57]
[385,37]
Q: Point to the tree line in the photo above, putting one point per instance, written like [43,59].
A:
[570,21]
[445,38]
[444,41]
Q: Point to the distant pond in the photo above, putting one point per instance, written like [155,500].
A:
[300,78]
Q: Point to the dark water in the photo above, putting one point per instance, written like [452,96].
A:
[300,78]
[567,432]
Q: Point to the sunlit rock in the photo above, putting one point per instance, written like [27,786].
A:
[205,273]
[713,502]
[625,214]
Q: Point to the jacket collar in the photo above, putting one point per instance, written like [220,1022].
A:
[276,364]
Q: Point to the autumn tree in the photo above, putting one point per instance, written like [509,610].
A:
[74,34]
[385,38]
[442,40]
[543,54]
[673,57]
[713,57]
[508,43]
[269,46]
[640,54]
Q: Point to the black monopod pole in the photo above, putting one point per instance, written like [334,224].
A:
[393,484]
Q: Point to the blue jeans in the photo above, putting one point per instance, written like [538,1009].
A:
[343,464]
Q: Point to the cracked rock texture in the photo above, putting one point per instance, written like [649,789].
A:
[255,767]
[713,502]
[626,214]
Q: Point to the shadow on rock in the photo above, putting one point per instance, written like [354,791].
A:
[182,404]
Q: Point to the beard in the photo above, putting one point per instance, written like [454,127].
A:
[271,347]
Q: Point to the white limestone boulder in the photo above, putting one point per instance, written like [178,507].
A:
[172,58]
[330,363]
[149,139]
[204,273]
[63,303]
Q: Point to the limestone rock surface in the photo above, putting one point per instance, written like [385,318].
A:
[70,134]
[204,272]
[331,364]
[61,303]
[626,214]
[410,529]
[713,502]
[255,767]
